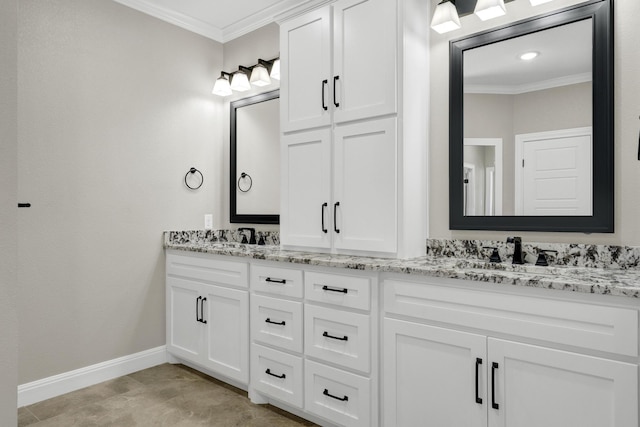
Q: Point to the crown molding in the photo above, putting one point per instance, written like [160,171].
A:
[280,11]
[529,87]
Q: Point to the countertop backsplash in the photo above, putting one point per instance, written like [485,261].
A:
[568,254]
[213,236]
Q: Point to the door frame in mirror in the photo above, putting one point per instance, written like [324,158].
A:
[234,216]
[601,11]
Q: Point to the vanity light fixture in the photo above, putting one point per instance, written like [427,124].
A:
[489,9]
[240,80]
[445,18]
[260,74]
[222,86]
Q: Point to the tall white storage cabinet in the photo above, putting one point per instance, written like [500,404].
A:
[354,151]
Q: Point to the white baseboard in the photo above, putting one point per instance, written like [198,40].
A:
[56,385]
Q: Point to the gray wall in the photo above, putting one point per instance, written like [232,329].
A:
[114,108]
[263,43]
[8,214]
[627,108]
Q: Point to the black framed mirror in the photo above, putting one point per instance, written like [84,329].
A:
[531,141]
[254,190]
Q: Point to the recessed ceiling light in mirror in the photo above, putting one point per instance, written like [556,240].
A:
[528,56]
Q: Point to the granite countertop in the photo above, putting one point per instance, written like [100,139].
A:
[605,281]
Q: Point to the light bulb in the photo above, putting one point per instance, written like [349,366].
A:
[275,69]
[222,87]
[489,9]
[240,82]
[260,76]
[445,18]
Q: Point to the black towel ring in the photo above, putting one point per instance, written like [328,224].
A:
[244,175]
[192,171]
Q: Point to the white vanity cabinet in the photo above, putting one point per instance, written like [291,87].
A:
[314,343]
[352,156]
[466,357]
[208,313]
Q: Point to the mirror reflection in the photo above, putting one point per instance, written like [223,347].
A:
[255,159]
[527,111]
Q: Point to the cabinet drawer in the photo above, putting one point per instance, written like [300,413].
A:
[345,291]
[278,281]
[277,374]
[277,322]
[339,337]
[610,329]
[201,268]
[341,397]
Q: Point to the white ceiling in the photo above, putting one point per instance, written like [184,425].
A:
[220,20]
[565,58]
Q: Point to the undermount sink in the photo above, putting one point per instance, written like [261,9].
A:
[508,267]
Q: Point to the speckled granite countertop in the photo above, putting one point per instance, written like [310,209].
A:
[605,281]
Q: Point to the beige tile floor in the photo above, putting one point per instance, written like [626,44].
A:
[165,395]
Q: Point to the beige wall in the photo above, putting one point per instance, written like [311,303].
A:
[263,43]
[627,109]
[8,214]
[114,108]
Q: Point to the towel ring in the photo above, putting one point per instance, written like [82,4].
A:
[243,176]
[193,171]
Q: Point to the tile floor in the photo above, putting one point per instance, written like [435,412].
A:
[165,395]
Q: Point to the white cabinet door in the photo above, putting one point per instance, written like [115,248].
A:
[364,59]
[429,376]
[305,192]
[537,386]
[365,186]
[305,63]
[226,312]
[184,331]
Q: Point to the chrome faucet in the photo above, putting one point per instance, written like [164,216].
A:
[517,249]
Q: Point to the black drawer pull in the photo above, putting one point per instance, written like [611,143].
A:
[326,334]
[478,363]
[342,399]
[335,217]
[270,280]
[326,288]
[335,79]
[197,309]
[494,405]
[268,320]
[268,372]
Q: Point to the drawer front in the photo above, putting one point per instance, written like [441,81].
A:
[338,396]
[277,322]
[339,337]
[209,270]
[345,291]
[277,375]
[277,281]
[610,329]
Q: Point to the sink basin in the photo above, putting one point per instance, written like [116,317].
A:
[507,267]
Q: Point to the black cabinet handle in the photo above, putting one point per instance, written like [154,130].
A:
[343,399]
[494,405]
[202,310]
[478,363]
[335,215]
[324,106]
[326,334]
[270,280]
[324,205]
[335,79]
[268,320]
[326,288]
[198,308]
[268,372]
